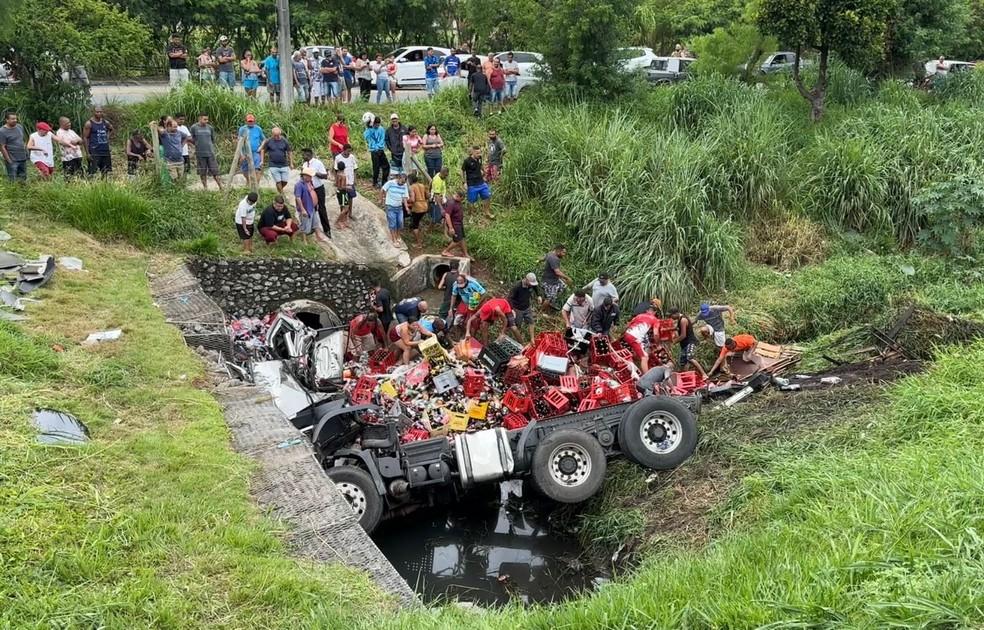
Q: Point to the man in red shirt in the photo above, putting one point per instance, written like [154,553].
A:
[496,308]
[642,326]
[745,344]
[365,333]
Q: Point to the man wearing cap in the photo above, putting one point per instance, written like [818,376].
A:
[254,139]
[521,300]
[177,59]
[306,204]
[276,221]
[394,142]
[276,150]
[41,149]
[712,315]
[225,56]
[600,288]
[318,181]
[603,317]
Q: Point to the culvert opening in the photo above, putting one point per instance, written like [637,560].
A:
[439,270]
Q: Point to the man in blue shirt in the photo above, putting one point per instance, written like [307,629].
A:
[271,70]
[431,63]
[347,74]
[465,298]
[396,197]
[452,64]
[375,137]
[254,139]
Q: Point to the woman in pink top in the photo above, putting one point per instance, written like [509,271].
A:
[391,73]
[411,147]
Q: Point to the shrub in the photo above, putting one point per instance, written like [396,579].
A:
[952,212]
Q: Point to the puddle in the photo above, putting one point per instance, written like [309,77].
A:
[289,396]
[58,427]
[463,551]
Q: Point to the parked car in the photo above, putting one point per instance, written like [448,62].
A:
[528,62]
[782,62]
[6,75]
[666,70]
[410,64]
[635,59]
[948,66]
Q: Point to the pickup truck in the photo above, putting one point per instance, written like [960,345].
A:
[565,457]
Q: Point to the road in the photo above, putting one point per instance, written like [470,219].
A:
[125,93]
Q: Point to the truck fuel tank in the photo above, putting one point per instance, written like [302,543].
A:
[483,456]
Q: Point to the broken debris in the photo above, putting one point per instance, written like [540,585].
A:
[103,336]
[58,427]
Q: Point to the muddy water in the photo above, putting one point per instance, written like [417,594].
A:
[487,550]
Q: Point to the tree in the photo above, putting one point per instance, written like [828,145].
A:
[919,30]
[853,29]
[726,50]
[661,24]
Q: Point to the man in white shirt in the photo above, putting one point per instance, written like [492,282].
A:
[183,128]
[71,148]
[511,69]
[245,217]
[347,159]
[600,288]
[40,149]
[577,310]
[318,181]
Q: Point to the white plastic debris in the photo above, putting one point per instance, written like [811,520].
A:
[70,263]
[830,380]
[105,335]
[4,236]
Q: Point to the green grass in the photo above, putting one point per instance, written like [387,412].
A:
[150,524]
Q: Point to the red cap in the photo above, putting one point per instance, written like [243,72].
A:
[250,118]
[42,126]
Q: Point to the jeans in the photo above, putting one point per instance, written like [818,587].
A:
[432,85]
[332,89]
[302,93]
[177,76]
[17,170]
[227,79]
[380,167]
[396,164]
[382,87]
[497,96]
[478,101]
[433,164]
[511,89]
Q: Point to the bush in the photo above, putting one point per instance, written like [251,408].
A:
[952,213]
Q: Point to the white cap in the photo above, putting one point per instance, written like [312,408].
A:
[394,116]
[531,279]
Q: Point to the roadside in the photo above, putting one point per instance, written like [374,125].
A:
[128,92]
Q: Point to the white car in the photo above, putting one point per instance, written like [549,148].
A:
[410,64]
[528,63]
[635,59]
[948,66]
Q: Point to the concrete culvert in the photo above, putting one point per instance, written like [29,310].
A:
[439,271]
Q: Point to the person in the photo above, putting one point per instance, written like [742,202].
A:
[279,155]
[254,139]
[251,73]
[601,288]
[439,197]
[497,83]
[410,310]
[394,142]
[406,337]
[688,342]
[271,70]
[302,84]
[185,152]
[653,378]
[177,59]
[677,51]
[431,64]
[382,80]
[521,300]
[225,58]
[433,151]
[488,63]
[745,344]
[639,331]
[419,205]
[396,196]
[318,89]
[434,324]
[71,148]
[452,67]
[375,137]
[365,333]
[471,171]
[381,304]
[13,147]
[245,217]
[206,66]
[202,136]
[41,150]
[655,303]
[338,135]
[330,71]
[604,316]
[320,188]
[95,133]
[347,159]
[276,221]
[511,69]
[348,75]
[454,218]
[446,284]
[466,296]
[172,140]
[496,151]
[137,151]
[554,278]
[713,316]
[577,310]
[391,76]
[478,85]
[341,195]
[411,146]
[363,75]
[494,309]
[470,65]
[306,204]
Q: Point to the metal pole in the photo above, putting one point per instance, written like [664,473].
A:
[285,50]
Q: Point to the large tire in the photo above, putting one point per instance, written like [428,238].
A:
[569,466]
[658,433]
[358,489]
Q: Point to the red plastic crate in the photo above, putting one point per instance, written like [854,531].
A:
[623,393]
[587,405]
[623,374]
[474,384]
[517,402]
[551,343]
[382,359]
[415,434]
[599,390]
[568,385]
[361,396]
[685,380]
[557,400]
[667,329]
[514,421]
[601,348]
[512,375]
[534,382]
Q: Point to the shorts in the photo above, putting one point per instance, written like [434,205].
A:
[687,352]
[244,234]
[481,190]
[257,163]
[415,219]
[524,316]
[459,233]
[207,165]
[719,338]
[279,173]
[175,170]
[394,217]
[251,84]
[44,168]
[349,81]
[635,345]
[307,222]
[343,197]
[273,88]
[552,289]
[491,172]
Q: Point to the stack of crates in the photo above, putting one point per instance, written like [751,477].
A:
[495,356]
[434,353]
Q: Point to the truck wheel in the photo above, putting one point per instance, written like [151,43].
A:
[569,466]
[658,433]
[358,489]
